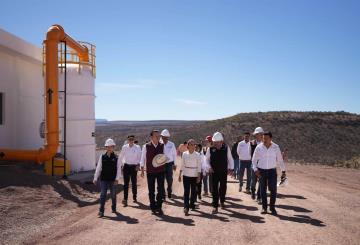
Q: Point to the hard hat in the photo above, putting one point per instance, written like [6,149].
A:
[217,137]
[259,130]
[159,160]
[110,142]
[209,138]
[165,133]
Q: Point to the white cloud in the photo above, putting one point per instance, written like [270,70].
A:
[190,102]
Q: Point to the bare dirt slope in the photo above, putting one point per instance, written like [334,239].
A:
[320,206]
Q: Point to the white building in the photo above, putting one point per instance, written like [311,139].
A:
[22,103]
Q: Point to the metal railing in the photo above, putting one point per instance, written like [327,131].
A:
[71,57]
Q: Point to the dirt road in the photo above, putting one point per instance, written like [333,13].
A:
[321,205]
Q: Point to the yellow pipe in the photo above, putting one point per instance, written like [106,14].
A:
[54,35]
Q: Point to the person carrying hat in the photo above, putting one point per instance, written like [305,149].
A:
[220,163]
[170,152]
[129,157]
[190,170]
[258,133]
[153,159]
[266,157]
[108,169]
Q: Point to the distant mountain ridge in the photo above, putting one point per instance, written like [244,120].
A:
[316,137]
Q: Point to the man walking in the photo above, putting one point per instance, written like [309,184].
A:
[244,153]
[236,158]
[153,174]
[129,157]
[170,166]
[266,157]
[258,133]
[220,163]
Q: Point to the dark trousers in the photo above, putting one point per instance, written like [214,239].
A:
[206,183]
[254,180]
[130,172]
[268,179]
[245,165]
[169,176]
[189,186]
[236,168]
[219,182]
[199,186]
[105,185]
[159,179]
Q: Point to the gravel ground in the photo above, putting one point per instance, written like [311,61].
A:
[321,205]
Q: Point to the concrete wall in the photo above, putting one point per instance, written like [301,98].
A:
[22,83]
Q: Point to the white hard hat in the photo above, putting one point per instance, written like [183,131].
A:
[217,137]
[165,133]
[259,130]
[110,142]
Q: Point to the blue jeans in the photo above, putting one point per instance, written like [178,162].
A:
[169,176]
[245,165]
[268,179]
[236,168]
[105,185]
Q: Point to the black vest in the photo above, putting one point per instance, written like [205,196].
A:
[219,160]
[109,167]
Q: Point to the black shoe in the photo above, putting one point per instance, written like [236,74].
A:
[160,212]
[199,196]
[247,191]
[114,211]
[253,196]
[134,199]
[264,211]
[214,211]
[153,211]
[240,188]
[192,207]
[169,195]
[222,205]
[259,201]
[186,211]
[101,214]
[273,211]
[124,202]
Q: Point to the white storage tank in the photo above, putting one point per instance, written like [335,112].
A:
[80,114]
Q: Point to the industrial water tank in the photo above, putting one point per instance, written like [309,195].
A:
[78,134]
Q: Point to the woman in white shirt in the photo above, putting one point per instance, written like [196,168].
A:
[191,167]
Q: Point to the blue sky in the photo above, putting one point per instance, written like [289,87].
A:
[208,59]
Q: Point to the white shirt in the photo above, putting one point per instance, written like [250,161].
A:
[191,164]
[130,155]
[99,168]
[170,151]
[244,150]
[143,154]
[267,158]
[229,158]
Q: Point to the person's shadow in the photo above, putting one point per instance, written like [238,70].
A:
[304,219]
[175,220]
[121,217]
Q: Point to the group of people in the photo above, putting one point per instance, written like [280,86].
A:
[204,167]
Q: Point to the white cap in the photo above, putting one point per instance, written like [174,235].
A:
[259,130]
[165,133]
[217,137]
[110,142]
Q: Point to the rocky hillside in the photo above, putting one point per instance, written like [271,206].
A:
[316,137]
